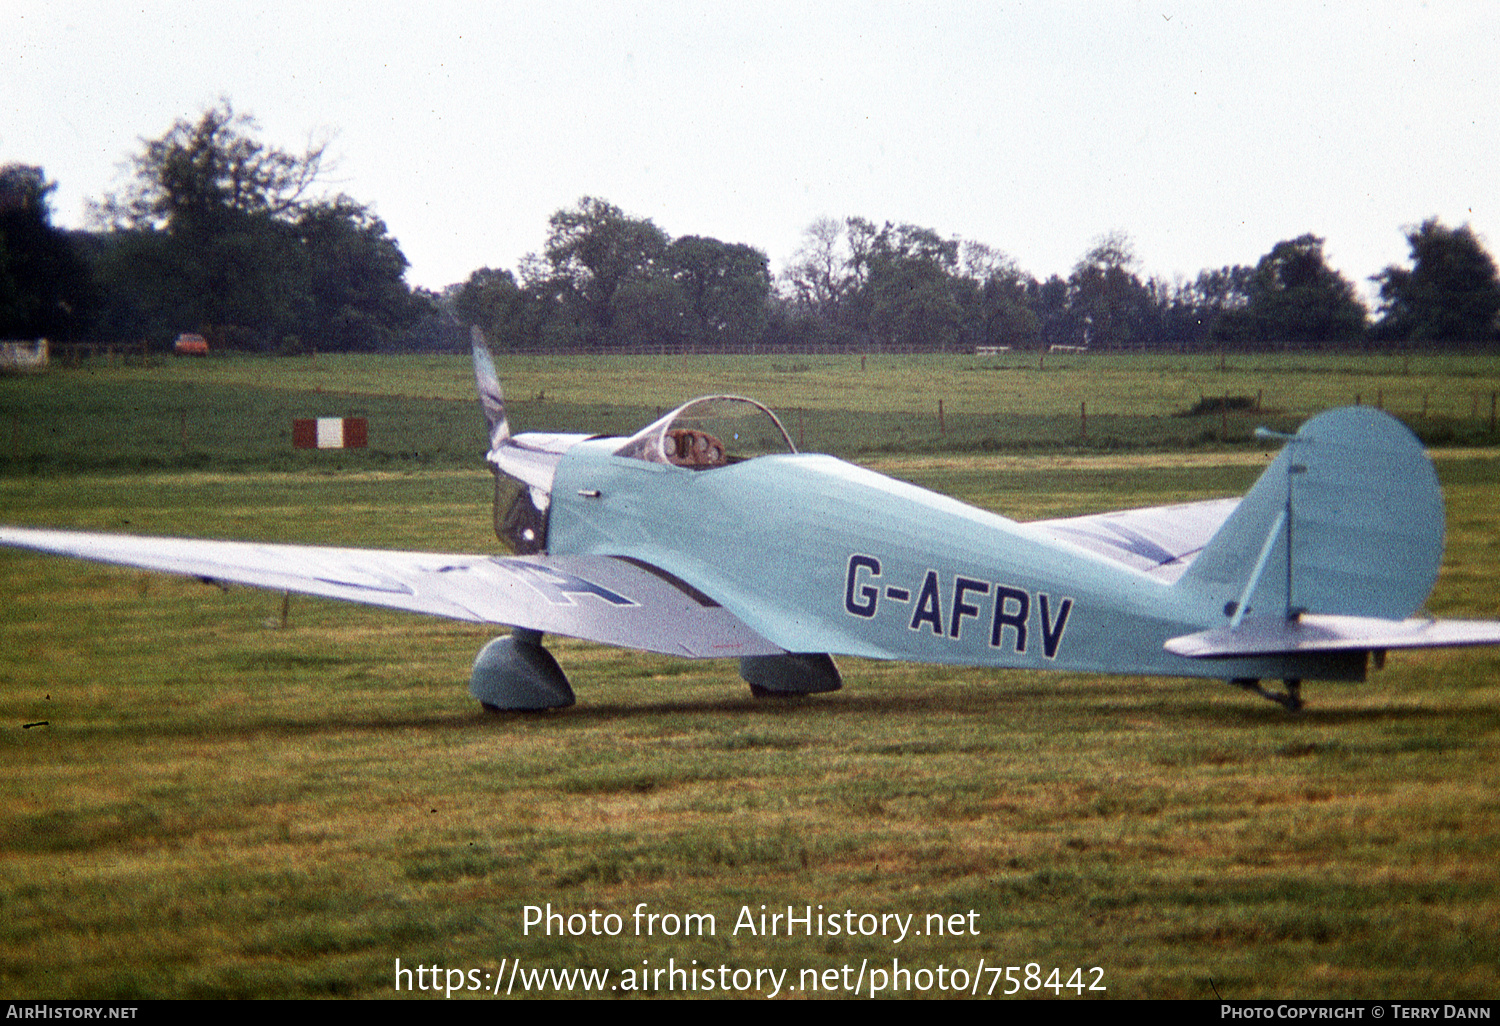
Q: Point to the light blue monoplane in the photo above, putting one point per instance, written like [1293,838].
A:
[707,535]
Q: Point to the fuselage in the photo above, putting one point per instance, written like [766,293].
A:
[819,555]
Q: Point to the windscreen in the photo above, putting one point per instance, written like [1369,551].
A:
[709,433]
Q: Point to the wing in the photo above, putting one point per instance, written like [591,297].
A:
[597,598]
[1159,541]
[1329,633]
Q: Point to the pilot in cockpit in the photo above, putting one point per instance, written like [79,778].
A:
[699,450]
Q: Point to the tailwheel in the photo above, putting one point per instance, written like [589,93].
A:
[1291,699]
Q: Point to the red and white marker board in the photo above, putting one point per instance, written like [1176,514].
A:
[330,433]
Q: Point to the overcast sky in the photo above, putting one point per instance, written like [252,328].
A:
[1207,131]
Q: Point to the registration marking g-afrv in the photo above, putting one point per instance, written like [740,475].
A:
[948,609]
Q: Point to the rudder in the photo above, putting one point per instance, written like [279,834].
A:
[1355,497]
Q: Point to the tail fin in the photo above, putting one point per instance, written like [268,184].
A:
[490,396]
[1347,520]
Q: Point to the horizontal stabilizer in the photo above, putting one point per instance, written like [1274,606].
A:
[1160,541]
[1328,633]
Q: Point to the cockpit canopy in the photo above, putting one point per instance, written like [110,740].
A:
[710,432]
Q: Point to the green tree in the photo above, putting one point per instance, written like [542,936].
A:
[1450,294]
[725,288]
[45,289]
[650,311]
[1108,304]
[912,279]
[1294,296]
[220,233]
[1049,300]
[492,300]
[1193,314]
[596,250]
[993,293]
[819,274]
[356,278]
[200,173]
[828,280]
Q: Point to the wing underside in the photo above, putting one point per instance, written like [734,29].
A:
[597,598]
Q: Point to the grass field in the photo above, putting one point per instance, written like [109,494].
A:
[236,412]
[219,805]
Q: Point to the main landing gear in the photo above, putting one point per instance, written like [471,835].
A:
[1292,699]
[514,673]
[783,676]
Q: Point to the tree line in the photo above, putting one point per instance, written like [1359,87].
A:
[605,279]
[217,232]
